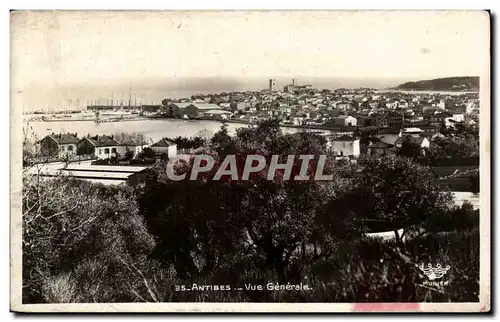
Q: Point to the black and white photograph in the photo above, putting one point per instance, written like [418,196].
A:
[250,160]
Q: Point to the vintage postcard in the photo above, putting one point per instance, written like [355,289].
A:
[250,161]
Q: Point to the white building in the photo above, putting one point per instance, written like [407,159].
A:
[346,120]
[165,146]
[343,146]
[134,146]
[413,131]
[298,120]
[104,147]
[218,114]
[458,117]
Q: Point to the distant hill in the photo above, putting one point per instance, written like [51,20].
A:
[459,84]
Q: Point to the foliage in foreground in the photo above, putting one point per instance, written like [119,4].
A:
[100,252]
[97,249]
[84,242]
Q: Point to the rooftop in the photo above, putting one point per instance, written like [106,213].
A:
[100,141]
[207,106]
[412,130]
[67,138]
[163,143]
[133,142]
[410,139]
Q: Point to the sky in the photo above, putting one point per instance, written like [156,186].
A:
[52,50]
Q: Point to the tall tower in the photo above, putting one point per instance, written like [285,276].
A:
[272,83]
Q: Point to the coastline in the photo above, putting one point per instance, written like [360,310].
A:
[433,91]
[88,120]
[307,127]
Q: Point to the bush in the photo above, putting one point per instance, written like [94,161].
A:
[80,240]
[146,153]
[474,183]
[85,242]
[128,155]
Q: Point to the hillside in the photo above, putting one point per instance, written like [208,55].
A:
[467,83]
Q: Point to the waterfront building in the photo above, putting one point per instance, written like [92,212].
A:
[59,144]
[165,146]
[135,146]
[104,147]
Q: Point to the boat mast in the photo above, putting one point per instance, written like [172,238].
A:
[129,97]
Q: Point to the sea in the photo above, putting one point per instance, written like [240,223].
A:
[153,129]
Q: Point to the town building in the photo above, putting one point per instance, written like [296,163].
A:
[59,144]
[412,131]
[388,135]
[165,146]
[380,149]
[436,119]
[345,120]
[103,147]
[218,114]
[177,109]
[423,142]
[151,109]
[395,119]
[342,105]
[343,146]
[135,146]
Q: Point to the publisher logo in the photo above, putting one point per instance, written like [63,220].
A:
[434,273]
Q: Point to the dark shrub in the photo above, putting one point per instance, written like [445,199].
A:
[100,162]
[474,183]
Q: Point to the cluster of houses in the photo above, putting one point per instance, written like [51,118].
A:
[304,105]
[416,116]
[342,144]
[100,146]
[387,141]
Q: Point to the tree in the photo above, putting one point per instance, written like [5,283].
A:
[65,158]
[129,154]
[410,149]
[222,142]
[457,148]
[31,153]
[204,223]
[165,102]
[194,142]
[133,137]
[402,194]
[147,153]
